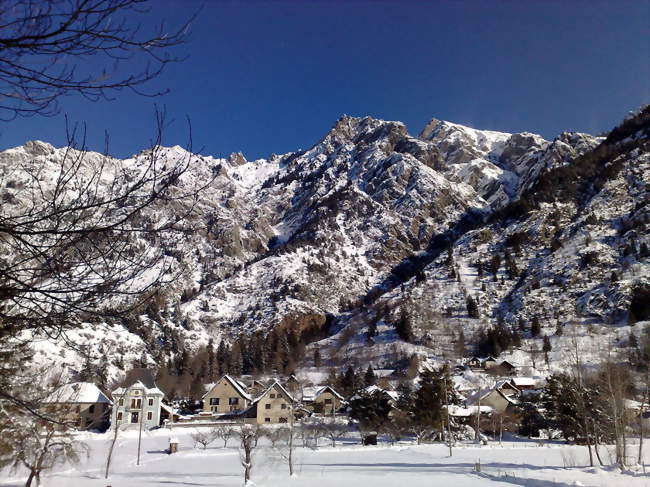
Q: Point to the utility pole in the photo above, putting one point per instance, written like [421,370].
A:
[141,418]
[448,415]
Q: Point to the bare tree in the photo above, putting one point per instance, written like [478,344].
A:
[333,429]
[224,433]
[45,45]
[33,443]
[203,437]
[248,436]
[276,435]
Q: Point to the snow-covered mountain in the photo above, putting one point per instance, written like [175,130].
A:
[372,220]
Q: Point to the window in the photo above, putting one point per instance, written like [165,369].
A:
[233,400]
[214,401]
[328,401]
[151,402]
[136,393]
[149,415]
[121,402]
[283,420]
[267,406]
[283,406]
[214,409]
[78,409]
[272,396]
[91,409]
[134,417]
[136,403]
[267,420]
[119,416]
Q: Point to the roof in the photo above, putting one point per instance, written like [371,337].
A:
[506,383]
[483,393]
[464,412]
[384,372]
[274,384]
[239,387]
[139,385]
[524,381]
[311,393]
[376,389]
[145,376]
[78,392]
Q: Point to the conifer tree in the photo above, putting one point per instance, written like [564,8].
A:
[535,326]
[403,326]
[370,379]
[472,307]
[317,358]
[546,347]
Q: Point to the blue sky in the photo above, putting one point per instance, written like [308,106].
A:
[273,76]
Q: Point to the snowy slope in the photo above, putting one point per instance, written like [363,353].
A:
[360,221]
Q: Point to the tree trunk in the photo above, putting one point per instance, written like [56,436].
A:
[110,451]
[32,474]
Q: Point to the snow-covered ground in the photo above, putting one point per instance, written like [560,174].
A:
[515,463]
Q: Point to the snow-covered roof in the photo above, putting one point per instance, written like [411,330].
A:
[149,391]
[274,384]
[239,387]
[81,392]
[524,381]
[384,372]
[464,412]
[376,389]
[483,393]
[309,394]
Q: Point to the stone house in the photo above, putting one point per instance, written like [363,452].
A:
[274,405]
[494,398]
[482,363]
[227,395]
[81,404]
[137,400]
[322,399]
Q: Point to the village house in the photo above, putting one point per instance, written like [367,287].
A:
[81,404]
[227,395]
[292,384]
[138,400]
[322,399]
[274,405]
[524,383]
[482,363]
[496,398]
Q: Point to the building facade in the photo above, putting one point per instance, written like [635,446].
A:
[138,401]
[227,395]
[81,404]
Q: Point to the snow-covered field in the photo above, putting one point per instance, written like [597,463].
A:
[514,463]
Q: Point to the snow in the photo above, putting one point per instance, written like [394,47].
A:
[81,392]
[523,463]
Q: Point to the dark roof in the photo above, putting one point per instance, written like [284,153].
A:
[146,376]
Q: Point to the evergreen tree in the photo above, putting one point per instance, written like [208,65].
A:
[546,347]
[372,331]
[369,378]
[371,410]
[459,344]
[403,326]
[559,329]
[535,326]
[495,265]
[472,307]
[212,359]
[348,382]
[317,358]
[223,356]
